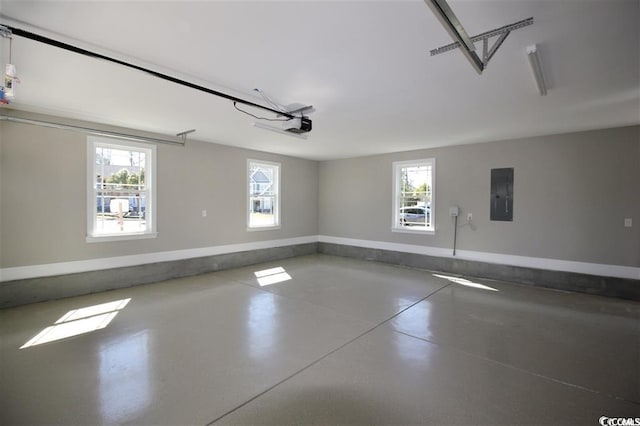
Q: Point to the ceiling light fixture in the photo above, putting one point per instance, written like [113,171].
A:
[536,68]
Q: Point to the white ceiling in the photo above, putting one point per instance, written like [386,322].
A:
[364,66]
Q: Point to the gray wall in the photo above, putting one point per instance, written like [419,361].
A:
[43,198]
[571,195]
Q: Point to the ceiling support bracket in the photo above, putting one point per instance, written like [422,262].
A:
[5,116]
[494,48]
[183,135]
[465,43]
[5,32]
[485,36]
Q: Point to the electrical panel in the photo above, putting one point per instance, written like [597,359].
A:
[502,194]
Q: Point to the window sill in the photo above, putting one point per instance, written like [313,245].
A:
[263,228]
[414,231]
[123,237]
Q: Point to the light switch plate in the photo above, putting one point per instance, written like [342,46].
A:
[628,222]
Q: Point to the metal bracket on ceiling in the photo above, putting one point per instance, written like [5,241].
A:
[4,116]
[5,32]
[306,109]
[183,135]
[501,33]
[465,43]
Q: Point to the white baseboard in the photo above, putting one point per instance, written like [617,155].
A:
[497,258]
[62,268]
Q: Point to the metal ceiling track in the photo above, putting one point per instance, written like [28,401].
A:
[8,31]
[465,43]
[96,132]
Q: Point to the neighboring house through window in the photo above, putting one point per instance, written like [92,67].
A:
[120,189]
[413,195]
[263,199]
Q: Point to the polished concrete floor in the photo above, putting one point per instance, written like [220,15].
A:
[321,340]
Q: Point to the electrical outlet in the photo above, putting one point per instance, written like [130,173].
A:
[469,217]
[628,222]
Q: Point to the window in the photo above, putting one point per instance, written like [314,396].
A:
[263,210]
[121,190]
[413,201]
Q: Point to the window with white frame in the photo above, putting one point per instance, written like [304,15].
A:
[120,189]
[413,201]
[263,210]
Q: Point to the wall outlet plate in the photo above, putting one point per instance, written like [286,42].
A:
[628,222]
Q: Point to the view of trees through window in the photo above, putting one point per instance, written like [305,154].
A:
[120,191]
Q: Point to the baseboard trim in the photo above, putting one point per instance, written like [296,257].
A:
[62,268]
[74,267]
[622,288]
[32,290]
[603,270]
[36,283]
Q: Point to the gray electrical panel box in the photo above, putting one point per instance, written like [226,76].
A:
[502,194]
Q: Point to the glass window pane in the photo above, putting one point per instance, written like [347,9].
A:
[414,190]
[263,190]
[121,190]
[117,214]
[262,211]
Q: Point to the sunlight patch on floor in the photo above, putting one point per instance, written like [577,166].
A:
[79,321]
[465,282]
[272,276]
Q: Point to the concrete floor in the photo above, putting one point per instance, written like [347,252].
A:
[323,340]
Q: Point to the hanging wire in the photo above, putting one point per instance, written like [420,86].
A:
[260,118]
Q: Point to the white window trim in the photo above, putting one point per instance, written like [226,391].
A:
[397,165]
[150,211]
[278,224]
